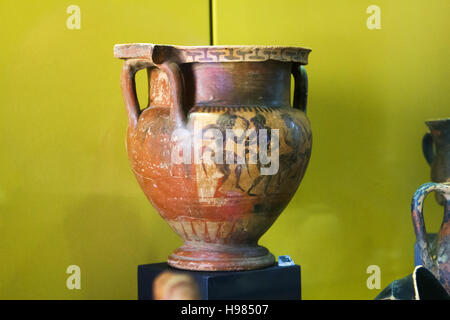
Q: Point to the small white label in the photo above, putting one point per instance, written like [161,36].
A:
[284,261]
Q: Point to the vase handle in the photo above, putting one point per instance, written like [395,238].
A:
[128,83]
[300,86]
[417,214]
[427,147]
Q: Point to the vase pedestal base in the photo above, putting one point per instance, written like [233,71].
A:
[220,258]
[271,283]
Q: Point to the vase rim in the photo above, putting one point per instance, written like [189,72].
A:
[437,121]
[216,53]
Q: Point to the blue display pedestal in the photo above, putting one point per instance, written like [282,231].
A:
[272,283]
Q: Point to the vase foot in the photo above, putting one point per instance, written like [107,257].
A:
[218,257]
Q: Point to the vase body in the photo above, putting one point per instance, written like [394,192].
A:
[434,253]
[219,151]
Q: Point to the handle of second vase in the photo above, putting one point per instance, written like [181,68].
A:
[128,83]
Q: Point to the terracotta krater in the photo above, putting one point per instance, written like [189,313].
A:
[219,151]
[436,149]
[435,253]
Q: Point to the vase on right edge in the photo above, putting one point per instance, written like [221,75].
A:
[420,285]
[433,253]
[436,149]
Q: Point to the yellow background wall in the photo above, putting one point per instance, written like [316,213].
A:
[67,194]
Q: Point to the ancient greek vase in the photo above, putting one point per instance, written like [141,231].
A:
[434,253]
[436,149]
[219,151]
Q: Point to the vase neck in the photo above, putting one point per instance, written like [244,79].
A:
[237,83]
[440,130]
